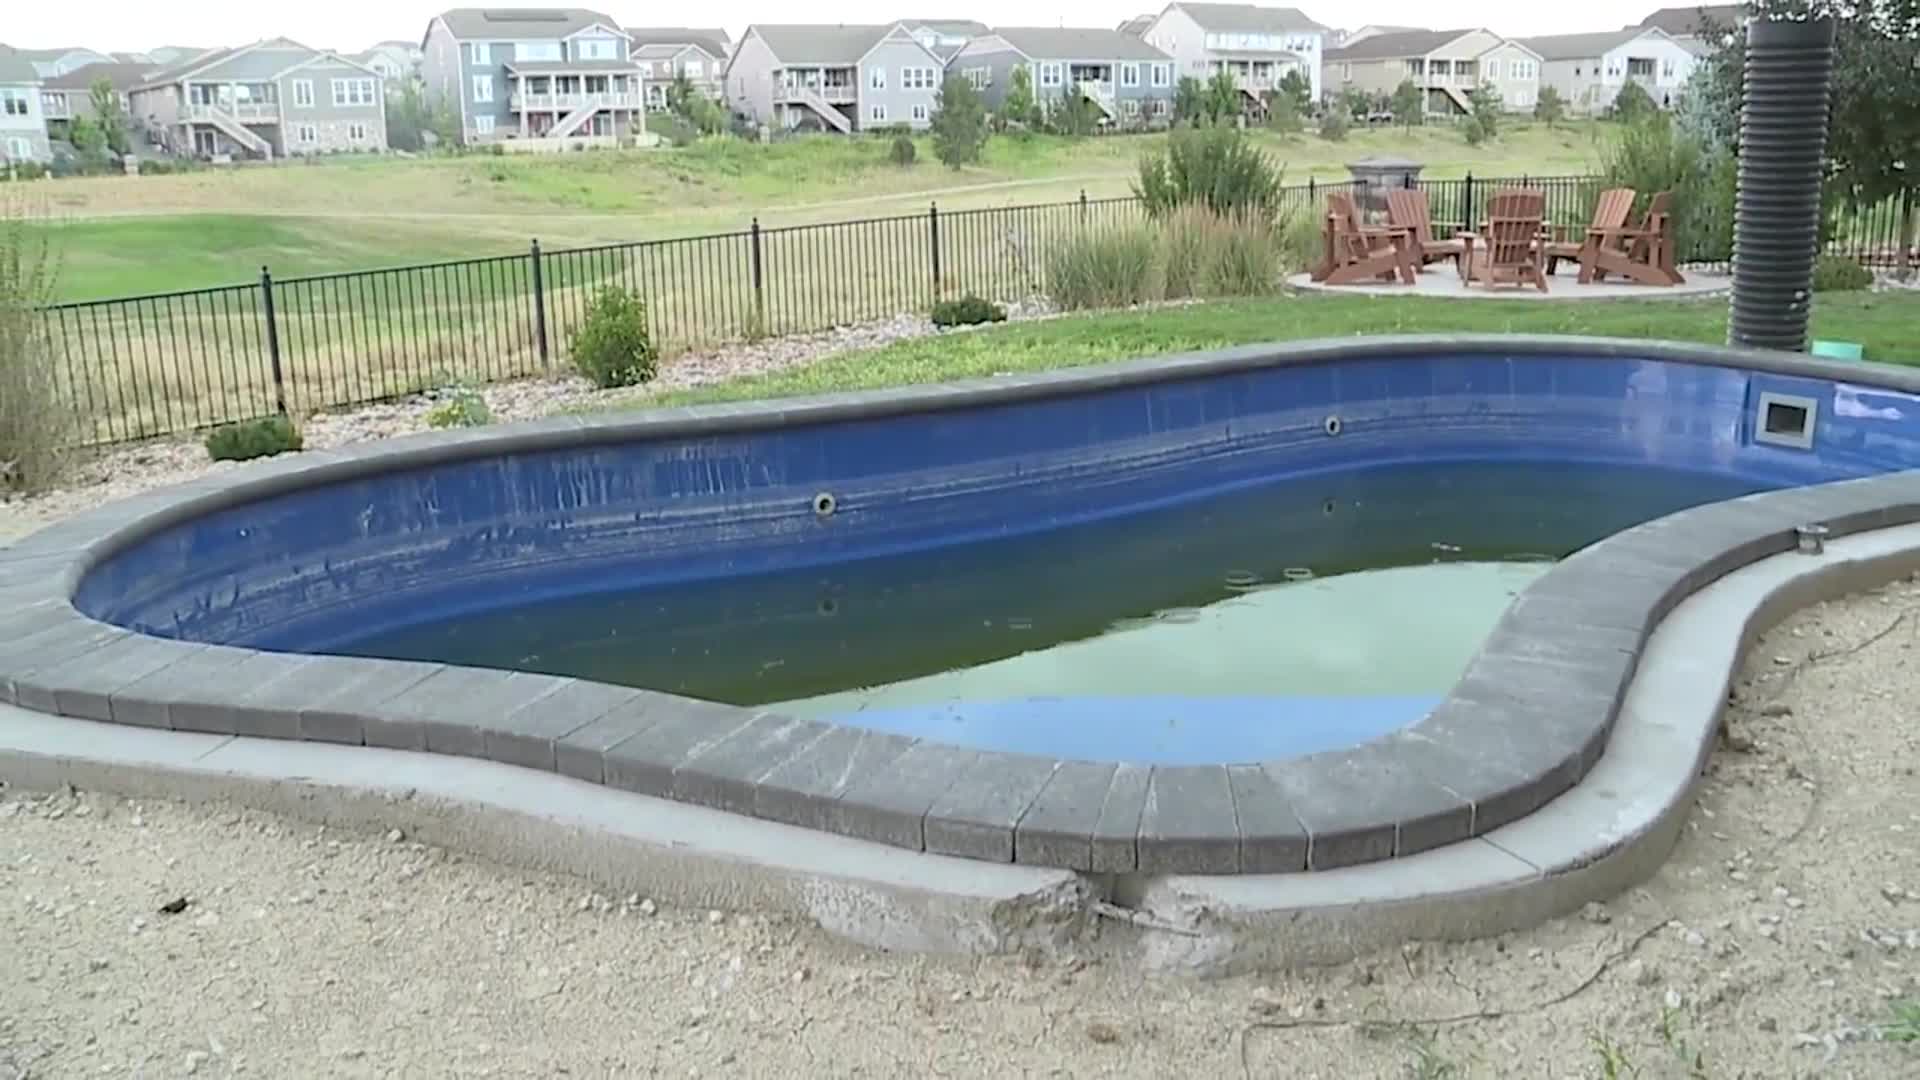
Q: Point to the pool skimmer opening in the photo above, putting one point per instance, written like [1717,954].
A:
[824,504]
[1785,420]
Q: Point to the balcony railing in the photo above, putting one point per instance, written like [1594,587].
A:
[55,106]
[247,112]
[834,93]
[611,99]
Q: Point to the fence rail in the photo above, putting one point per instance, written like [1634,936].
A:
[143,366]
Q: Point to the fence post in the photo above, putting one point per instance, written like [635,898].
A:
[933,233]
[539,304]
[1466,205]
[759,281]
[1083,207]
[273,342]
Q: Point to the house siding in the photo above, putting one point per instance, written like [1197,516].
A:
[1177,34]
[999,62]
[333,125]
[749,80]
[441,67]
[28,131]
[894,54]
[1517,91]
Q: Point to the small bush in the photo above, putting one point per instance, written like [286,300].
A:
[1217,167]
[1302,242]
[902,152]
[967,311]
[1206,254]
[1106,269]
[251,439]
[460,405]
[612,346]
[34,420]
[1334,124]
[1835,273]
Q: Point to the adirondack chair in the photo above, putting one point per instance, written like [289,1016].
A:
[1512,245]
[1610,213]
[1509,205]
[1355,253]
[1643,253]
[1407,208]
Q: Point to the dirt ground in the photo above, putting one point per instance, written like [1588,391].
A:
[1780,941]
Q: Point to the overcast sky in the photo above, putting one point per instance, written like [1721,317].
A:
[355,24]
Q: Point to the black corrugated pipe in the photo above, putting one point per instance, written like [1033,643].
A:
[1783,143]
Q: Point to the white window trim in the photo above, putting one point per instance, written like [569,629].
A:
[877,78]
[1057,72]
[919,111]
[1162,75]
[612,51]
[1129,74]
[483,125]
[303,93]
[344,95]
[19,149]
[309,135]
[483,89]
[480,52]
[877,113]
[357,132]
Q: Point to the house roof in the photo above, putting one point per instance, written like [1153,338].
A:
[1249,18]
[715,41]
[1396,45]
[1052,43]
[1138,25]
[961,27]
[52,54]
[520,24]
[1690,21]
[124,77]
[260,60]
[820,44]
[1581,46]
[15,68]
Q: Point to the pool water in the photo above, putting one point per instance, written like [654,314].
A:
[1313,613]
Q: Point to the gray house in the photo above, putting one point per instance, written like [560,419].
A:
[69,97]
[23,127]
[834,78]
[51,62]
[540,79]
[272,99]
[945,36]
[667,53]
[1130,81]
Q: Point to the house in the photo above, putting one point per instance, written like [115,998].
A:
[1589,69]
[1128,80]
[1256,45]
[271,99]
[396,61]
[1700,30]
[136,58]
[667,53]
[69,97]
[23,127]
[1137,26]
[565,76]
[944,37]
[51,62]
[843,78]
[175,54]
[1445,64]
[1355,37]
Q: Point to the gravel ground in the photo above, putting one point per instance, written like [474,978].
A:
[1775,943]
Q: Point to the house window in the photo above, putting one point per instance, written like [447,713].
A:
[597,48]
[1130,107]
[357,132]
[1050,75]
[1129,74]
[15,102]
[483,125]
[1493,69]
[360,92]
[303,93]
[877,114]
[1666,69]
[1162,74]
[693,69]
[537,50]
[481,52]
[19,149]
[483,89]
[916,78]
[309,134]
[1346,72]
[877,79]
[919,111]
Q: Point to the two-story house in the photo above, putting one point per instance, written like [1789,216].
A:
[1446,65]
[1128,80]
[69,97]
[1702,29]
[272,99]
[23,126]
[834,78]
[1589,69]
[666,53]
[395,61]
[550,78]
[1256,45]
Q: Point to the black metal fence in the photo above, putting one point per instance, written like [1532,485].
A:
[137,367]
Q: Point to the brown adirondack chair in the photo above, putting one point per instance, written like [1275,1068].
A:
[1507,204]
[1610,214]
[1643,254]
[1512,245]
[1407,208]
[1355,253]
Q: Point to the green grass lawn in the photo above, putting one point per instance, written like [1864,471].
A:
[1883,322]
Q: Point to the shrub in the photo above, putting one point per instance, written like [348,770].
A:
[967,311]
[1105,269]
[1835,273]
[612,346]
[251,439]
[1301,242]
[1631,103]
[1218,255]
[1216,167]
[902,152]
[1334,124]
[33,418]
[460,405]
[1653,154]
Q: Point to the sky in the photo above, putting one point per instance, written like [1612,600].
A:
[355,24]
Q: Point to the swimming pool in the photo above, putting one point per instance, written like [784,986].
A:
[1236,612]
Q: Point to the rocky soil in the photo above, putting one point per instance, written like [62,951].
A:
[151,939]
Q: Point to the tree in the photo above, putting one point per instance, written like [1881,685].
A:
[1334,124]
[1354,102]
[959,123]
[1631,103]
[1222,102]
[1406,103]
[1074,115]
[1483,123]
[680,94]
[1017,107]
[1189,101]
[1295,85]
[1284,114]
[88,139]
[1549,108]
[110,114]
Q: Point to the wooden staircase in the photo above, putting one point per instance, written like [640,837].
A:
[1099,95]
[812,99]
[237,131]
[571,122]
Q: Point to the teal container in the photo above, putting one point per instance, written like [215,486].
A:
[1839,350]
